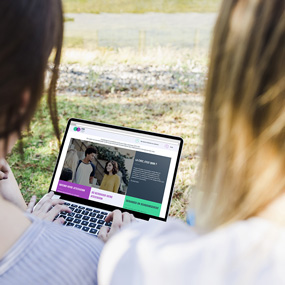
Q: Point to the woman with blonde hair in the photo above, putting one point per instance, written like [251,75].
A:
[111,181]
[239,237]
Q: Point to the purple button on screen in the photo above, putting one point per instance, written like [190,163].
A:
[73,189]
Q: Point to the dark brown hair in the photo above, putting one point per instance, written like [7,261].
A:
[29,31]
[243,156]
[115,167]
[90,150]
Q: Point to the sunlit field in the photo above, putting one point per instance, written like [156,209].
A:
[140,6]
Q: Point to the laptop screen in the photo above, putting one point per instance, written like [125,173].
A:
[125,168]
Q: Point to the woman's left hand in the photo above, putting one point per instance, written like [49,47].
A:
[48,208]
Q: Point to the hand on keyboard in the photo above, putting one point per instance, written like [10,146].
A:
[119,220]
[48,208]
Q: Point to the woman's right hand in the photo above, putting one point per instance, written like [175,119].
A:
[119,220]
[48,208]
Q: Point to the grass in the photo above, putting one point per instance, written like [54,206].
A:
[176,114]
[165,112]
[156,56]
[140,6]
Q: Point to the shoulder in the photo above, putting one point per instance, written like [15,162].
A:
[175,254]
[79,165]
[142,247]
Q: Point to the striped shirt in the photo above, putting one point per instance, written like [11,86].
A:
[49,253]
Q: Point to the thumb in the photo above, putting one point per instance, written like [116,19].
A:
[103,233]
[31,204]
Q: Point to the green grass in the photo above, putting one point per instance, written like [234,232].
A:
[176,114]
[140,6]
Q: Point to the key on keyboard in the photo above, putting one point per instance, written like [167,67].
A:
[86,219]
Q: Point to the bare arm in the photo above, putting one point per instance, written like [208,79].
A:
[46,209]
[9,188]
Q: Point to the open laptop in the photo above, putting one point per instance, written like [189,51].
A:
[141,179]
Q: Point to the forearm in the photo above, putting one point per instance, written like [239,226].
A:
[9,189]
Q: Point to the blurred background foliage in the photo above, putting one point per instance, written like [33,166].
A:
[140,6]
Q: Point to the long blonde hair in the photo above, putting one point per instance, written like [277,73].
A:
[242,165]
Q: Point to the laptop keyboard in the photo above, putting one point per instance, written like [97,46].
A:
[87,219]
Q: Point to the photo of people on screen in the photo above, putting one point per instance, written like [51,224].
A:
[79,171]
[98,166]
[85,169]
[111,181]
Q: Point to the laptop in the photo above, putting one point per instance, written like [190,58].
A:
[104,167]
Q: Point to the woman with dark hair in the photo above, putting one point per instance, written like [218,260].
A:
[239,203]
[111,181]
[32,250]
